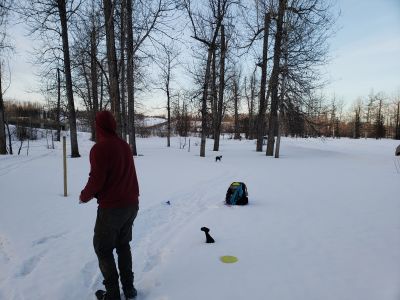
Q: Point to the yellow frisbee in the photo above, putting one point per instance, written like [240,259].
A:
[228,259]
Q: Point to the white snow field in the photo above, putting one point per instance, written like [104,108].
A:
[323,223]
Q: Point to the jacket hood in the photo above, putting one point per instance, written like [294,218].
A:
[105,125]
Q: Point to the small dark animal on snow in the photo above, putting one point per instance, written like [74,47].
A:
[209,239]
[218,158]
[398,150]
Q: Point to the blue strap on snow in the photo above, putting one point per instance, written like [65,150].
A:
[238,193]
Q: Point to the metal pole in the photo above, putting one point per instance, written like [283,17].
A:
[65,164]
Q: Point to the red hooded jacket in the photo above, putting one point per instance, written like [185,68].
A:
[112,177]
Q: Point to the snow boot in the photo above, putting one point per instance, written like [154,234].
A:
[130,293]
[102,295]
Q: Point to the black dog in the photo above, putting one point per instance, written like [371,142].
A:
[218,158]
[209,239]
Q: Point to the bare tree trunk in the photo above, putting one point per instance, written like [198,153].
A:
[58,122]
[20,147]
[168,109]
[94,78]
[122,42]
[221,90]
[9,139]
[236,107]
[112,61]
[357,123]
[379,123]
[167,64]
[367,126]
[284,73]
[68,79]
[219,11]
[249,109]
[275,79]
[214,96]
[3,142]
[204,104]
[263,85]
[130,78]
[397,127]
[278,138]
[89,102]
[251,106]
[101,91]
[167,90]
[280,119]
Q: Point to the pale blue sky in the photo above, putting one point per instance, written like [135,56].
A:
[365,54]
[366,49]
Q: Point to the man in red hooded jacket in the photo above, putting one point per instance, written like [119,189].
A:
[113,181]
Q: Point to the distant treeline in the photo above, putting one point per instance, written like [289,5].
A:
[378,117]
[30,114]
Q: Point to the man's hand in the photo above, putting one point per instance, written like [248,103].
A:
[85,199]
[81,201]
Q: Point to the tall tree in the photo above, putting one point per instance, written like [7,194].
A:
[370,106]
[149,20]
[379,126]
[93,64]
[274,81]
[258,19]
[88,59]
[108,7]
[308,25]
[3,138]
[167,63]
[4,12]
[397,122]
[49,20]
[251,94]
[58,109]
[263,102]
[122,67]
[221,90]
[281,105]
[130,77]
[62,11]
[206,21]
[236,104]
[357,120]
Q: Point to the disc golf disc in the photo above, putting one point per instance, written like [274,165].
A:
[228,259]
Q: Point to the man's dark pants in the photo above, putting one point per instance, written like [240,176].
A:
[113,230]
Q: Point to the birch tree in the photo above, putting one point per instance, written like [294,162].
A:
[108,8]
[206,21]
[48,19]
[167,62]
[4,12]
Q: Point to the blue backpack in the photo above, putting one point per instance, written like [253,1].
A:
[237,194]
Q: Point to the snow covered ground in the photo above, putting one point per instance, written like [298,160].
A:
[323,223]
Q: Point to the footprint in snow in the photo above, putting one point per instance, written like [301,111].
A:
[152,261]
[29,265]
[90,273]
[4,253]
[45,239]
